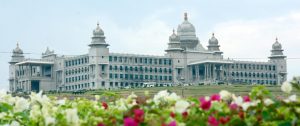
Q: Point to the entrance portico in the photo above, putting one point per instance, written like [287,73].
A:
[209,71]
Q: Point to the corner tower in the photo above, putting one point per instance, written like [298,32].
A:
[16,57]
[98,60]
[279,59]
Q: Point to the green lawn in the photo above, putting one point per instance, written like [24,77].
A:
[187,91]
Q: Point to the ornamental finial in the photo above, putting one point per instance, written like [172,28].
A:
[185,16]
[276,39]
[97,25]
[213,34]
[173,31]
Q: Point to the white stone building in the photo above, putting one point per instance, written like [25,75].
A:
[185,61]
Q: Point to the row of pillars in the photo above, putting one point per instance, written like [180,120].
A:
[211,74]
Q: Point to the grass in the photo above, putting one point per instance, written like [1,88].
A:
[187,91]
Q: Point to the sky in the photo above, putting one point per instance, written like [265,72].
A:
[245,29]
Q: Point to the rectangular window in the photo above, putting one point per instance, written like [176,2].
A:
[110,58]
[141,60]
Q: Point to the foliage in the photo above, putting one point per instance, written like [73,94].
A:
[166,108]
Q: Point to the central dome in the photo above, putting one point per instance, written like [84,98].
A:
[186,26]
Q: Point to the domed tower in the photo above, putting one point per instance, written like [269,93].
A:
[213,45]
[99,59]
[49,54]
[174,44]
[16,57]
[279,59]
[187,34]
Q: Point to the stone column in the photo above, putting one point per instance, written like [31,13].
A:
[209,72]
[197,72]
[205,72]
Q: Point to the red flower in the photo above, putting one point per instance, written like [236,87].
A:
[224,120]
[173,123]
[215,97]
[233,106]
[138,115]
[205,105]
[241,114]
[212,121]
[172,114]
[246,98]
[185,114]
[100,124]
[104,104]
[129,122]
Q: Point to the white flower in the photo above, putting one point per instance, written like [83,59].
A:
[165,96]
[245,106]
[97,97]
[72,117]
[286,87]
[238,100]
[121,104]
[172,97]
[49,120]
[255,103]
[35,112]
[21,104]
[225,95]
[292,98]
[61,102]
[14,123]
[132,96]
[181,106]
[161,95]
[268,102]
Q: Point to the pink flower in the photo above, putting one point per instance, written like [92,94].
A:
[246,98]
[130,122]
[100,124]
[205,104]
[233,106]
[215,97]
[212,121]
[173,123]
[138,115]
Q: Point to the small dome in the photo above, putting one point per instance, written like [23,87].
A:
[98,31]
[276,45]
[186,26]
[18,50]
[173,37]
[213,40]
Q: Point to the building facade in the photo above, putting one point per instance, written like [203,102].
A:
[185,61]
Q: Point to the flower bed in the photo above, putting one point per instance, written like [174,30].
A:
[164,109]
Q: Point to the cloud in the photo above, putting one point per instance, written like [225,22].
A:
[254,38]
[149,36]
